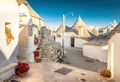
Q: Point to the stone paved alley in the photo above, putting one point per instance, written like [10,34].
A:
[45,72]
[84,70]
[74,57]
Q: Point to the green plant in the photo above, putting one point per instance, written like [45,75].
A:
[60,58]
[59,51]
[105,72]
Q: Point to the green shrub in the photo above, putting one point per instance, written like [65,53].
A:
[60,58]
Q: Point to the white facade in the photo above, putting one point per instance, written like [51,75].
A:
[9,20]
[23,31]
[67,41]
[31,45]
[79,42]
[96,52]
[26,41]
[24,14]
[8,14]
[114,56]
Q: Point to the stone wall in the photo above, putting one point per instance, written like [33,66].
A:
[48,48]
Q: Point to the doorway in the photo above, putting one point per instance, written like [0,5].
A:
[72,42]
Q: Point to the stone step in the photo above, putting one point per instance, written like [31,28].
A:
[7,72]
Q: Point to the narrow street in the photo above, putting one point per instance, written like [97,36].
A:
[76,68]
[74,57]
[47,71]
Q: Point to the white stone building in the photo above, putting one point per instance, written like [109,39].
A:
[70,40]
[114,53]
[9,25]
[76,35]
[19,29]
[81,29]
[30,23]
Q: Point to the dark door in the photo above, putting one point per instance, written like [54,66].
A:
[72,42]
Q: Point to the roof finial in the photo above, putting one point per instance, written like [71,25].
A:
[79,16]
[114,21]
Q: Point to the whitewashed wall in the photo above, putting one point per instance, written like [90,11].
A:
[23,10]
[26,42]
[23,42]
[67,41]
[96,52]
[31,45]
[9,12]
[23,31]
[79,42]
[114,56]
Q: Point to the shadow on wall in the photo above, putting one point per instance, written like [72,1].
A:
[12,59]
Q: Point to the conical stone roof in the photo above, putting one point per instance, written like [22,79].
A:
[36,19]
[80,27]
[32,12]
[62,28]
[79,23]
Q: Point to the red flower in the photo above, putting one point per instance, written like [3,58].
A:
[36,40]
[22,67]
[36,53]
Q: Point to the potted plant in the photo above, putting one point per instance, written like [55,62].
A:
[22,69]
[36,56]
[105,72]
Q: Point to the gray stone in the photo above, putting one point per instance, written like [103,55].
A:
[48,47]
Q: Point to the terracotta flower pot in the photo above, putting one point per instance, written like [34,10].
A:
[21,74]
[37,60]
[36,57]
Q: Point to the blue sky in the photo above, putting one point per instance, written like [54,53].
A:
[99,13]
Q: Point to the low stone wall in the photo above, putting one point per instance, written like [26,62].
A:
[50,51]
[96,52]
